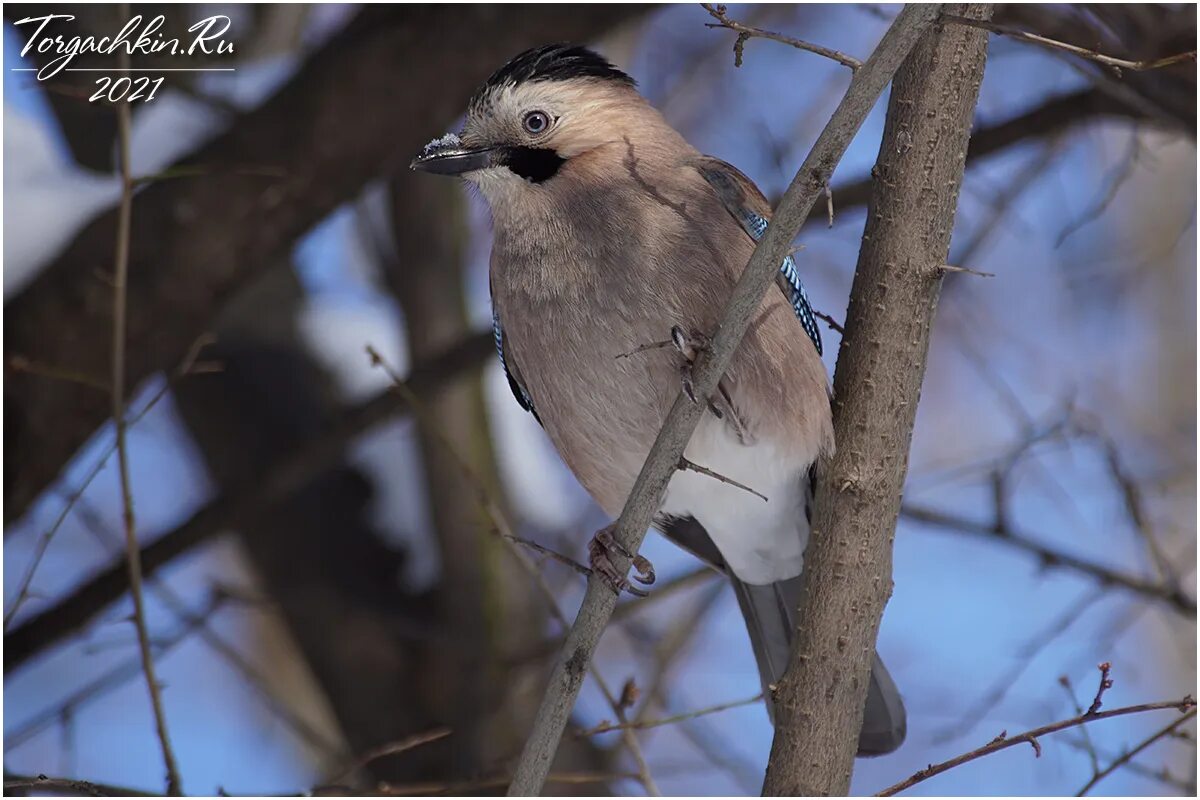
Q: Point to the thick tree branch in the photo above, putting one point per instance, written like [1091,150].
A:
[881,364]
[196,241]
[646,496]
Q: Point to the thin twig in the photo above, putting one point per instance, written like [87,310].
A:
[286,474]
[631,742]
[830,321]
[391,749]
[566,561]
[227,651]
[646,495]
[1024,658]
[1106,683]
[113,679]
[966,270]
[1124,759]
[745,32]
[1091,55]
[642,724]
[132,550]
[641,348]
[500,526]
[1135,507]
[20,363]
[684,464]
[670,646]
[1171,596]
[1003,742]
[1089,746]
[1115,181]
[43,543]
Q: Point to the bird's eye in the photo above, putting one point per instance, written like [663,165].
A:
[536,122]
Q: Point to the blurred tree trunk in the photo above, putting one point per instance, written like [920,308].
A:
[488,606]
[390,663]
[335,582]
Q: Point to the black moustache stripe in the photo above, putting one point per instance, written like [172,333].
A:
[532,163]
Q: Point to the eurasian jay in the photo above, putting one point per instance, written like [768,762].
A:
[609,230]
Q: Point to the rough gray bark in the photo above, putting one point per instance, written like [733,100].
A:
[881,363]
[646,496]
[345,118]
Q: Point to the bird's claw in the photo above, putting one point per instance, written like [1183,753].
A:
[600,550]
[689,346]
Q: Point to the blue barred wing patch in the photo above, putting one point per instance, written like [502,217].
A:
[517,389]
[756,226]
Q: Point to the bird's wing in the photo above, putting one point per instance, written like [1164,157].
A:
[750,208]
[511,372]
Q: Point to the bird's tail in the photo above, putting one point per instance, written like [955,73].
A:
[770,613]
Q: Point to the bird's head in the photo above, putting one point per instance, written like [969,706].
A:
[545,107]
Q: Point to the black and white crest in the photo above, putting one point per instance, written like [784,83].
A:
[552,62]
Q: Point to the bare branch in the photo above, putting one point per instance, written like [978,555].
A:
[501,527]
[1128,756]
[112,679]
[132,548]
[1089,746]
[830,321]
[1091,55]
[657,723]
[392,749]
[1173,597]
[646,496]
[280,478]
[1115,181]
[1105,684]
[1003,742]
[966,270]
[684,464]
[23,586]
[746,32]
[1023,659]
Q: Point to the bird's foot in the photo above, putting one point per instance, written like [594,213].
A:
[690,344]
[600,551]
